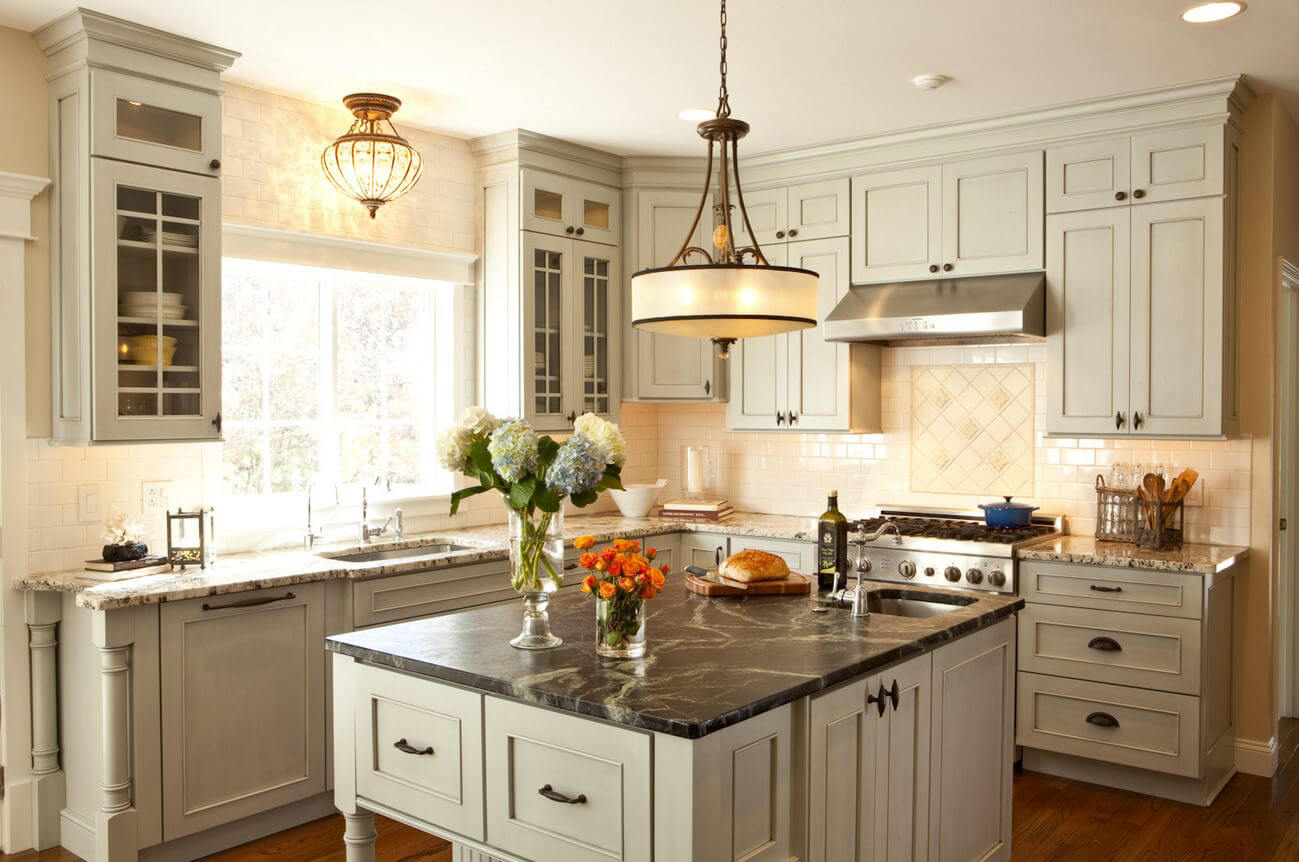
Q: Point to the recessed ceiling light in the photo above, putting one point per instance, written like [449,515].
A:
[929,81]
[1207,13]
[697,115]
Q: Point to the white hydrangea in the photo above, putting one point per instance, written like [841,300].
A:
[605,435]
[454,441]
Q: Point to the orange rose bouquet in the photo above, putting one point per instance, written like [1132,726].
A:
[621,578]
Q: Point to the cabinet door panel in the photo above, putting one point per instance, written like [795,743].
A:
[1181,163]
[154,123]
[897,222]
[222,764]
[597,306]
[705,550]
[902,765]
[842,776]
[819,210]
[760,373]
[547,264]
[1088,301]
[1088,176]
[597,212]
[671,366]
[768,217]
[549,203]
[1177,317]
[992,214]
[819,370]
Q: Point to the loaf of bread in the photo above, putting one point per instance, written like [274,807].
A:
[753,565]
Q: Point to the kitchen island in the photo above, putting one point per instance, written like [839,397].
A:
[755,728]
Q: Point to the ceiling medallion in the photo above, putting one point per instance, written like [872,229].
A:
[371,162]
[721,297]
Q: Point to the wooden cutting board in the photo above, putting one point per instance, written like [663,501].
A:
[790,586]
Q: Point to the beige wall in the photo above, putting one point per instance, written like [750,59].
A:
[24,149]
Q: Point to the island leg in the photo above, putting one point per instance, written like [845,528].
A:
[43,612]
[115,826]
[358,832]
[359,835]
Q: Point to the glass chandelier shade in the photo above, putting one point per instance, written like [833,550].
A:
[721,296]
[371,162]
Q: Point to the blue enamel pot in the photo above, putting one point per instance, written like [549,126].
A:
[1007,514]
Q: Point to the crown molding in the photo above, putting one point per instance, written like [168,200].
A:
[16,193]
[85,24]
[533,149]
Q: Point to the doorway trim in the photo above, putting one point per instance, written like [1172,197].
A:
[1287,494]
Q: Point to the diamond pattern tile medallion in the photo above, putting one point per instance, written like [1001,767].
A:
[974,434]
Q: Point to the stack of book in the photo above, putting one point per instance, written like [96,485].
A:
[697,510]
[103,570]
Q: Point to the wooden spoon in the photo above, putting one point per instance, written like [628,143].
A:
[1154,488]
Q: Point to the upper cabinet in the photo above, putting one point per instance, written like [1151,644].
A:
[973,217]
[1147,168]
[1141,296]
[806,211]
[563,206]
[135,130]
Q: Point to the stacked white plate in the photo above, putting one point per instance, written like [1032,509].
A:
[144,303]
[169,237]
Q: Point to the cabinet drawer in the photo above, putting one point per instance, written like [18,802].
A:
[1166,594]
[419,748]
[404,597]
[801,556]
[1131,726]
[1126,649]
[604,770]
[140,120]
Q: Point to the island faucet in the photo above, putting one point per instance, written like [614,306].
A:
[838,595]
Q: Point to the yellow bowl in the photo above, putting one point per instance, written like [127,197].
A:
[144,349]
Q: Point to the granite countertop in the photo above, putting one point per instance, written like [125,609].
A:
[711,662]
[283,567]
[1199,559]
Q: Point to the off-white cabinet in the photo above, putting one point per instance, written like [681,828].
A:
[572,305]
[672,366]
[807,211]
[1140,320]
[798,380]
[564,206]
[243,705]
[868,788]
[972,217]
[139,119]
[1151,167]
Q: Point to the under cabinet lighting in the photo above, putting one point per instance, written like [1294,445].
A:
[1207,13]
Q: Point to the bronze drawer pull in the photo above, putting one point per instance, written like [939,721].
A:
[1104,644]
[1102,719]
[1106,589]
[554,795]
[249,603]
[403,745]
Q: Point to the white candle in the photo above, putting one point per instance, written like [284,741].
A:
[694,470]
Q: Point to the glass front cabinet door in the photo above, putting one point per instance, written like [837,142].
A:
[140,120]
[571,313]
[156,300]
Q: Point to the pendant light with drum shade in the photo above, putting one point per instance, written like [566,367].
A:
[721,296]
[371,162]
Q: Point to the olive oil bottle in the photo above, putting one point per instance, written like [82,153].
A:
[831,543]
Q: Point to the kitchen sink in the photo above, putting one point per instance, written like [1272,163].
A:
[898,606]
[435,549]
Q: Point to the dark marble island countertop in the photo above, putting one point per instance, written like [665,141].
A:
[711,662]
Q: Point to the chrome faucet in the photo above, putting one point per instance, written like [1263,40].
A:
[838,595]
[369,533]
[310,538]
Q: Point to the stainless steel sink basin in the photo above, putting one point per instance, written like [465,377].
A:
[431,550]
[904,607]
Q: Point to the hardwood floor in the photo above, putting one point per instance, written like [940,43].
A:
[1056,820]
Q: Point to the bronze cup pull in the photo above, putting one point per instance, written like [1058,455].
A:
[1102,719]
[1104,644]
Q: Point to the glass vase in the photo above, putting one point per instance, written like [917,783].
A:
[620,626]
[536,571]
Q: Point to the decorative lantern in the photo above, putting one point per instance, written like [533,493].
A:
[191,538]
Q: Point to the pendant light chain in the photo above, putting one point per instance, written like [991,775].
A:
[723,97]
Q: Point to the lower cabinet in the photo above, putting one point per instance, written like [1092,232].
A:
[243,697]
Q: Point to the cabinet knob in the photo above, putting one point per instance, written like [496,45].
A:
[217,422]
[947,267]
[568,229]
[708,387]
[780,234]
[793,231]
[215,164]
[571,417]
[1120,196]
[793,417]
[1139,193]
[1136,420]
[581,231]
[780,417]
[933,267]
[1118,419]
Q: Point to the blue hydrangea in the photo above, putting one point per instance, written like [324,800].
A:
[513,447]
[578,466]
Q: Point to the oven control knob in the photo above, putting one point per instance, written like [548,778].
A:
[996,579]
[974,576]
[929,571]
[952,574]
[907,569]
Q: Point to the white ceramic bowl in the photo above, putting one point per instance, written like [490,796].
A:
[637,500]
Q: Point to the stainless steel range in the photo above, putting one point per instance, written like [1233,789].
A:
[947,548]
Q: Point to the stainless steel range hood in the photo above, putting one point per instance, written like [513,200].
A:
[975,310]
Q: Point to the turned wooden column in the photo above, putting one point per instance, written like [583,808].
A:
[43,611]
[115,822]
[359,835]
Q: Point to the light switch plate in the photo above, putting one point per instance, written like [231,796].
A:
[90,504]
[154,496]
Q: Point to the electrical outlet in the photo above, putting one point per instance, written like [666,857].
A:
[153,496]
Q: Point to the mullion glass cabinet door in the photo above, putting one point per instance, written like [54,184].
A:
[150,122]
[544,385]
[596,324]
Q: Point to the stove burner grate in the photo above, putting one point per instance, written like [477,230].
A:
[963,531]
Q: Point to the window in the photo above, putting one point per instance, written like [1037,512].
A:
[329,376]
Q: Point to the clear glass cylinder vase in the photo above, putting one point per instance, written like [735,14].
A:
[536,571]
[620,626]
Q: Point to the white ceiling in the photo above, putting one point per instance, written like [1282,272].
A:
[614,73]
